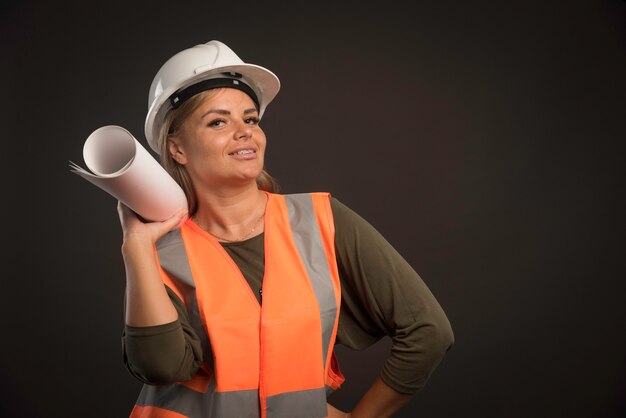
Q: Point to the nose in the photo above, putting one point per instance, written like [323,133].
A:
[243,131]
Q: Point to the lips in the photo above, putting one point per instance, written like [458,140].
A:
[243,154]
[245,151]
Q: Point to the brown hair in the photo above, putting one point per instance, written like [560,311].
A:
[172,123]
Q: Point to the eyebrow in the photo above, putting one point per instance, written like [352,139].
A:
[227,112]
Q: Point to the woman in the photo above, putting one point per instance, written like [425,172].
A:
[258,286]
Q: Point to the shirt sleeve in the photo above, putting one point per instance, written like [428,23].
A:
[165,353]
[383,295]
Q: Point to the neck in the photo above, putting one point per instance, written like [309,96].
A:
[231,213]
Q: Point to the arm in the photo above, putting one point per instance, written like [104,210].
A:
[383,295]
[159,345]
[147,302]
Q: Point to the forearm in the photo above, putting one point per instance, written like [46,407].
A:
[380,401]
[147,302]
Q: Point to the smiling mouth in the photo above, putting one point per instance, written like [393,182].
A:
[243,152]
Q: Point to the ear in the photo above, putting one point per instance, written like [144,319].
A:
[176,149]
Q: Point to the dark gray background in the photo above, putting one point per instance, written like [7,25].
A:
[483,139]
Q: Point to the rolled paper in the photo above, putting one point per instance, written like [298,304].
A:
[122,167]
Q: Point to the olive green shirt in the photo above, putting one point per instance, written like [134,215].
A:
[381,293]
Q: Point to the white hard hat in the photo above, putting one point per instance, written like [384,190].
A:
[199,68]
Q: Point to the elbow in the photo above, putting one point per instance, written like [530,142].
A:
[426,342]
[416,352]
[443,338]
[438,330]
[154,376]
[152,373]
[160,359]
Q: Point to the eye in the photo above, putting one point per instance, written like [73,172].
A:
[252,120]
[216,123]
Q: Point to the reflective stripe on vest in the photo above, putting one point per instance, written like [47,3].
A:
[274,361]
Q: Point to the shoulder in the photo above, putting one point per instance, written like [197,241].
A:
[344,217]
[318,200]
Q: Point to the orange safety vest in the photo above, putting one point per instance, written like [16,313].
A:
[273,360]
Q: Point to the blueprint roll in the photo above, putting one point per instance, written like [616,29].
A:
[122,167]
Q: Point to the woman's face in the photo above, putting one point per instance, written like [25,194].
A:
[221,143]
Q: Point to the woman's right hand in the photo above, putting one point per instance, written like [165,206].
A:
[150,232]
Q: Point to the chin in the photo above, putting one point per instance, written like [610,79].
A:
[250,176]
[253,174]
